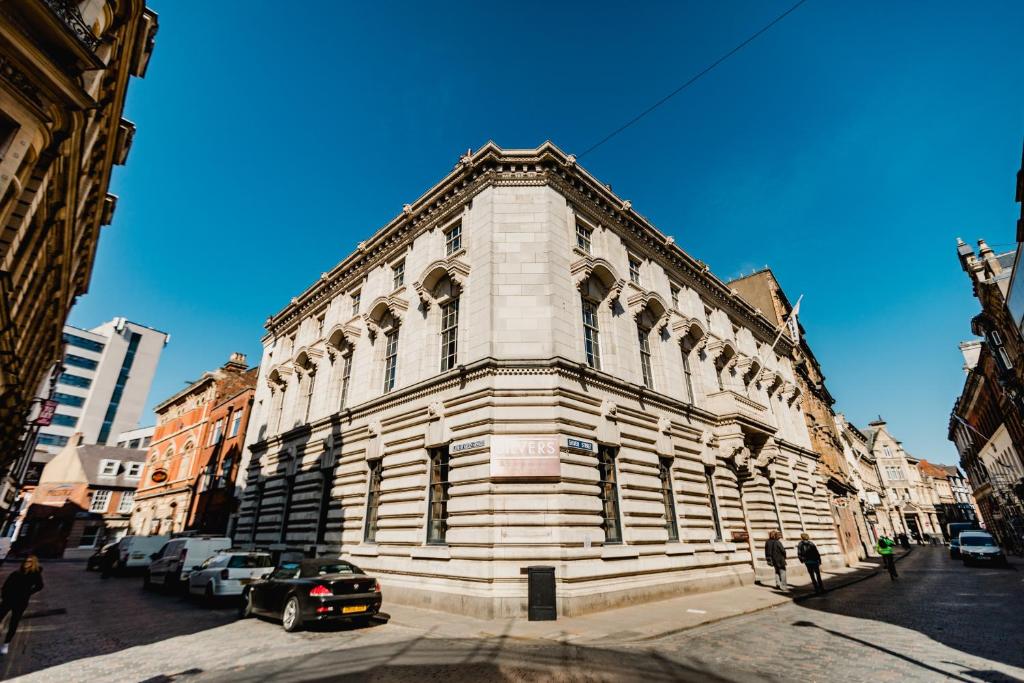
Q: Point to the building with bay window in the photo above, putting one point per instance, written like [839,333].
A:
[519,369]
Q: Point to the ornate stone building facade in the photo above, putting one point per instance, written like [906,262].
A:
[909,496]
[763,290]
[872,497]
[520,370]
[64,72]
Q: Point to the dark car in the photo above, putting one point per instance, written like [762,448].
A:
[95,560]
[309,591]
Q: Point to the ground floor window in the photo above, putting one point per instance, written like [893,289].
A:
[326,487]
[608,481]
[709,476]
[437,504]
[668,496]
[90,535]
[372,501]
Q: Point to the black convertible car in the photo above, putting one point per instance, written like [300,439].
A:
[309,591]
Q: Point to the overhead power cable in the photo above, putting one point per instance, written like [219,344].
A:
[693,80]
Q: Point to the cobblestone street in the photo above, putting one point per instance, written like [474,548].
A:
[940,621]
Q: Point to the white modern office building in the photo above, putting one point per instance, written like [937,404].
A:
[106,378]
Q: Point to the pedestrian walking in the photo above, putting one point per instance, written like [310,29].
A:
[18,588]
[885,546]
[775,555]
[904,541]
[808,553]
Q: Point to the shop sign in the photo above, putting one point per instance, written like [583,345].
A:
[525,457]
[159,476]
[46,411]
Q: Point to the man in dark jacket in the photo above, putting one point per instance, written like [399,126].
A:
[808,553]
[18,588]
[775,555]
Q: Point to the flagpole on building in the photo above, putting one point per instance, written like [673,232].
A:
[791,317]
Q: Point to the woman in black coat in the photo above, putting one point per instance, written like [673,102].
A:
[18,588]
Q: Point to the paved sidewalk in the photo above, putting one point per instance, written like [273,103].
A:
[635,623]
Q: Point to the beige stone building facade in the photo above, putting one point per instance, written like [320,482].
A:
[910,496]
[64,73]
[520,370]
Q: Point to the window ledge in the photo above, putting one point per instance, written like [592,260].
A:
[431,552]
[723,547]
[364,551]
[619,552]
[679,549]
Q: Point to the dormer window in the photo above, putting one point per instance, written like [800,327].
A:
[108,468]
[134,470]
[398,275]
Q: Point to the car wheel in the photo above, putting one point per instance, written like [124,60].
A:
[209,594]
[245,610]
[291,620]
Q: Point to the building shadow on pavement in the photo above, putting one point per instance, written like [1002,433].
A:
[971,611]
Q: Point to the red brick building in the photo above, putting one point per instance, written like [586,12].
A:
[221,453]
[171,476]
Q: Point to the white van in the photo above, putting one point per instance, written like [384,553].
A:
[133,551]
[179,556]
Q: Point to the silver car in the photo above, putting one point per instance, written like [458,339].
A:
[228,573]
[980,547]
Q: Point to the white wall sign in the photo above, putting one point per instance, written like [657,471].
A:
[525,457]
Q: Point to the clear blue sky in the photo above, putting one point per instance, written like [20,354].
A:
[847,149]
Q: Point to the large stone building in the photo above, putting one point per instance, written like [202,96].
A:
[520,370]
[910,497]
[763,290]
[872,496]
[183,430]
[64,72]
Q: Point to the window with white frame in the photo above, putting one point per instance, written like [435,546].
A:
[390,360]
[584,237]
[674,293]
[398,274]
[356,297]
[236,421]
[453,239]
[133,470]
[108,468]
[887,451]
[449,334]
[643,336]
[894,472]
[634,270]
[346,375]
[591,335]
[100,500]
[127,500]
[218,430]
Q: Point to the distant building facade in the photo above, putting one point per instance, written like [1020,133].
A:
[105,382]
[84,499]
[140,437]
[910,498]
[872,496]
[66,69]
[763,290]
[170,478]
[519,369]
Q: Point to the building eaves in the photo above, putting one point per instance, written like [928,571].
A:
[191,388]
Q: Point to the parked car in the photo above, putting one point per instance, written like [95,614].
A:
[174,562]
[95,560]
[300,593]
[953,531]
[134,551]
[979,546]
[228,573]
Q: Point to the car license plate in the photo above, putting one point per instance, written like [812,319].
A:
[353,608]
[137,556]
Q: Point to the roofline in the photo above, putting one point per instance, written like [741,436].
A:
[207,377]
[464,171]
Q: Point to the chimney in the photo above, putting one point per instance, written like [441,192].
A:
[236,362]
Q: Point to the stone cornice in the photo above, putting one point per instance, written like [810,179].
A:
[545,165]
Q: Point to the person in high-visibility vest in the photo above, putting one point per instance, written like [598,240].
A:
[885,546]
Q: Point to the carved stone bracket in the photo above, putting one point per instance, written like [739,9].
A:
[791,392]
[278,376]
[749,367]
[770,380]
[721,352]
[452,267]
[587,267]
[380,307]
[709,449]
[768,454]
[645,300]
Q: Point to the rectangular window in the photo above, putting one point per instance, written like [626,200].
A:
[346,375]
[372,501]
[289,488]
[687,374]
[449,334]
[108,468]
[63,420]
[608,483]
[134,470]
[319,327]
[355,303]
[887,451]
[634,270]
[310,388]
[437,496]
[127,500]
[80,362]
[669,498]
[236,422]
[713,502]
[583,237]
[100,500]
[674,292]
[82,342]
[894,472]
[453,239]
[390,360]
[591,335]
[52,440]
[398,275]
[89,536]
[69,400]
[645,356]
[326,488]
[218,430]
[75,380]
